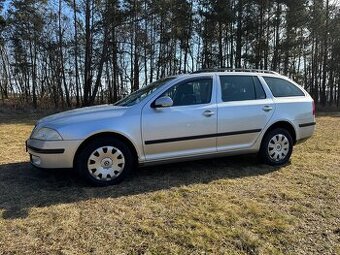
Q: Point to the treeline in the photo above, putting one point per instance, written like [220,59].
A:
[68,53]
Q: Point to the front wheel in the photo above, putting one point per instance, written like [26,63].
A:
[276,147]
[105,161]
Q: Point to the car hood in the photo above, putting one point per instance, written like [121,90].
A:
[86,114]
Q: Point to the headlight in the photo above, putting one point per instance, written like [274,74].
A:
[46,134]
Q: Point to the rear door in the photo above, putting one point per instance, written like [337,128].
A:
[188,127]
[244,109]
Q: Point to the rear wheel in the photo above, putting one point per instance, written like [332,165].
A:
[277,147]
[105,161]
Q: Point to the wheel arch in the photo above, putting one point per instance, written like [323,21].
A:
[115,135]
[282,124]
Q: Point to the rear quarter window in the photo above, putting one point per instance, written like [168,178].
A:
[283,88]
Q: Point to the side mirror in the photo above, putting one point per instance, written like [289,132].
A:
[163,102]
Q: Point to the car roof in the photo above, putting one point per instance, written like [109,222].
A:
[231,72]
[238,70]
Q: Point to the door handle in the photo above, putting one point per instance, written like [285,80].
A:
[208,113]
[267,108]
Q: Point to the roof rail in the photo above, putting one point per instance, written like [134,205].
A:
[235,70]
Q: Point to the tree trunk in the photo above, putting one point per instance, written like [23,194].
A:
[325,57]
[61,55]
[76,53]
[239,34]
[88,53]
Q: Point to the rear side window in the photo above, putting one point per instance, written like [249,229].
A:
[283,88]
[260,94]
[241,88]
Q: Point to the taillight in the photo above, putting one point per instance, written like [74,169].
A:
[314,108]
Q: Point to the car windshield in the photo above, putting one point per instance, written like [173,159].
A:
[139,95]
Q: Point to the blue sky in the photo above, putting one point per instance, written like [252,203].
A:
[6,4]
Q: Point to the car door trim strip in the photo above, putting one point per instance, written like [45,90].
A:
[179,139]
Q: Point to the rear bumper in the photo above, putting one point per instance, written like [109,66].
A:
[306,130]
[56,154]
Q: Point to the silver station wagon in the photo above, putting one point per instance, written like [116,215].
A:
[204,114]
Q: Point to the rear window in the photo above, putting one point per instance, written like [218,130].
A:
[283,88]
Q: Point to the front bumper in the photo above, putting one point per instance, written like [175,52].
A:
[52,154]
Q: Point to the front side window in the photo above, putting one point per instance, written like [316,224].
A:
[139,95]
[191,93]
[241,88]
[283,88]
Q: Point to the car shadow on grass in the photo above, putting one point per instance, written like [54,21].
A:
[23,187]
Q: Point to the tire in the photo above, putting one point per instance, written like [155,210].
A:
[276,147]
[105,161]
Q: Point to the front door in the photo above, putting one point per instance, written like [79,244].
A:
[188,127]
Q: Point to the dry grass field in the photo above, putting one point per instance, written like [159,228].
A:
[220,206]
